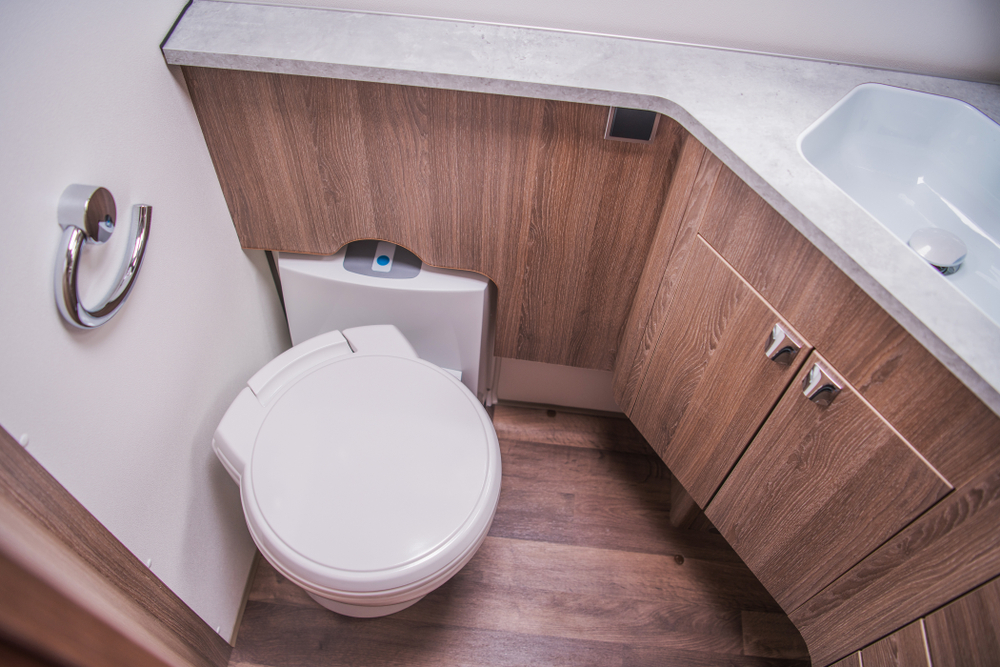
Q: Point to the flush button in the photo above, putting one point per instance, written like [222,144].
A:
[383,257]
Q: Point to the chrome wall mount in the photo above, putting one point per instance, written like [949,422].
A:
[87,215]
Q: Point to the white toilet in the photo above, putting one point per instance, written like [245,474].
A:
[369,476]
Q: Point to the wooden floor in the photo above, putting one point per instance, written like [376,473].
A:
[581,567]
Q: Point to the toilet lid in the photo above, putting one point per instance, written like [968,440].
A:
[370,467]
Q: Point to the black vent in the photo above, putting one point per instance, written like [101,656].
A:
[632,125]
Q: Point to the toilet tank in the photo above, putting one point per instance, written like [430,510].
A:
[446,315]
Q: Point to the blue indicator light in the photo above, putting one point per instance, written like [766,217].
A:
[382,260]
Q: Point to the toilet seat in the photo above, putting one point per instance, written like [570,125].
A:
[373,478]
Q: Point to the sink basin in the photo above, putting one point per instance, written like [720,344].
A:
[914,160]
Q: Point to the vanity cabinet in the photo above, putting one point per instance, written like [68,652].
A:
[860,519]
[709,384]
[819,488]
[809,490]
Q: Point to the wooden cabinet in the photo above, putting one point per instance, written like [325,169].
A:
[853,525]
[818,489]
[931,409]
[709,384]
[525,191]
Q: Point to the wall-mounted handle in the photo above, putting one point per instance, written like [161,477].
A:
[820,387]
[87,214]
[781,348]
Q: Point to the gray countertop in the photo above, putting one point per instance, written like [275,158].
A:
[748,109]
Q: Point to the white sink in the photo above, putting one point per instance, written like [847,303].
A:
[915,160]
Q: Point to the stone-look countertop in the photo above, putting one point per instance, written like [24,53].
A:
[748,109]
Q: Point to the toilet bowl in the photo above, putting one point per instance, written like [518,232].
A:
[368,476]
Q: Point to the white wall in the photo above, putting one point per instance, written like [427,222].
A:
[123,415]
[951,38]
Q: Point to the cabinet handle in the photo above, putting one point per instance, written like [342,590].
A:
[781,348]
[820,387]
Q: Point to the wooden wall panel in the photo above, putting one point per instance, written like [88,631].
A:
[817,490]
[709,386]
[525,191]
[966,633]
[950,549]
[904,648]
[66,565]
[690,192]
[935,412]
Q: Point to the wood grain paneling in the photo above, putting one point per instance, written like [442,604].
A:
[966,633]
[676,229]
[684,511]
[950,549]
[817,490]
[904,648]
[771,635]
[853,660]
[938,415]
[60,608]
[538,600]
[33,497]
[525,191]
[664,268]
[709,386]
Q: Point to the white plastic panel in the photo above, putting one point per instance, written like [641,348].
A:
[444,314]
[380,339]
[236,433]
[278,373]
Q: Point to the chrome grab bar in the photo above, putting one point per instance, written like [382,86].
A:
[87,215]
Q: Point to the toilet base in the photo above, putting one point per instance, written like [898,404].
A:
[363,611]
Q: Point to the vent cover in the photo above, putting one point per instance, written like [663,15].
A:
[632,125]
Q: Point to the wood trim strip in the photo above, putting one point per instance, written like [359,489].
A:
[37,510]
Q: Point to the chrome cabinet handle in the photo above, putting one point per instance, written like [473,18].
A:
[781,348]
[87,215]
[820,387]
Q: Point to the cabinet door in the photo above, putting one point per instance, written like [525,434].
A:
[709,384]
[818,489]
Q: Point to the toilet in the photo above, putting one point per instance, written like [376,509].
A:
[369,475]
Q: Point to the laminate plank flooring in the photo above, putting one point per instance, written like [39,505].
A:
[581,567]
